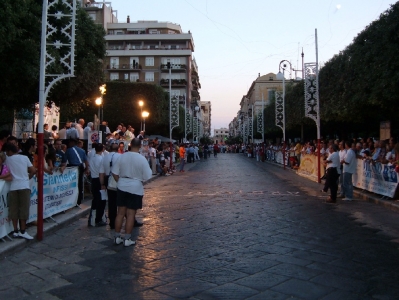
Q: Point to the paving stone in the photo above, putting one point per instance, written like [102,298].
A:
[303,289]
[294,271]
[343,283]
[185,288]
[261,281]
[12,293]
[227,291]
[10,268]
[68,269]
[220,276]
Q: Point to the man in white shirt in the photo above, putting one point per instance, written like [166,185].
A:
[350,164]
[97,204]
[79,128]
[129,172]
[87,130]
[21,170]
[108,161]
[332,164]
[72,133]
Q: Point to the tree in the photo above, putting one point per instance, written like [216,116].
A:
[20,37]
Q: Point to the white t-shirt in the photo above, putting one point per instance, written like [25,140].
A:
[18,165]
[114,156]
[96,166]
[132,169]
[335,162]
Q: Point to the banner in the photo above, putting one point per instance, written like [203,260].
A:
[5,224]
[308,167]
[375,177]
[60,193]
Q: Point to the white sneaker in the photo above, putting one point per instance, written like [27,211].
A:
[15,234]
[25,236]
[167,174]
[347,199]
[118,240]
[128,243]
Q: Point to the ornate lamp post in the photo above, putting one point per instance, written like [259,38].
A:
[280,101]
[99,102]
[59,38]
[141,103]
[312,108]
[144,115]
[173,112]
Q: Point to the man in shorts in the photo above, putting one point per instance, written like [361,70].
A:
[130,170]
[21,170]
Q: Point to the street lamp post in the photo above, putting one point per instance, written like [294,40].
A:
[280,102]
[141,103]
[144,115]
[99,102]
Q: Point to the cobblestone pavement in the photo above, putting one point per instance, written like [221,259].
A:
[228,228]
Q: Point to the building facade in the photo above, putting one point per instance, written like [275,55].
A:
[220,135]
[259,96]
[150,51]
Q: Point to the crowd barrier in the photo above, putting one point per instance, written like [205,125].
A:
[60,192]
[376,177]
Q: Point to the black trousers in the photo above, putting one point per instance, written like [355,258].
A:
[332,182]
[112,207]
[97,203]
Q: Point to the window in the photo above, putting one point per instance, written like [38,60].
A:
[115,62]
[93,16]
[149,76]
[126,76]
[113,76]
[153,31]
[134,77]
[134,62]
[149,61]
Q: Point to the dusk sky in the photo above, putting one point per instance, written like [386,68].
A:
[235,40]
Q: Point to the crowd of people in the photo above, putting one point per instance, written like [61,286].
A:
[339,158]
[117,166]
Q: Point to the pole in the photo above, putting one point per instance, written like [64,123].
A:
[263,119]
[141,114]
[40,136]
[170,116]
[144,124]
[284,118]
[252,125]
[318,110]
[185,118]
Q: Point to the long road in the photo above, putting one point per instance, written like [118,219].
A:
[227,228]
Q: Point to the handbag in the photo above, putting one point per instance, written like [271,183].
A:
[112,184]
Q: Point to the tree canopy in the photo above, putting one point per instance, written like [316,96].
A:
[20,37]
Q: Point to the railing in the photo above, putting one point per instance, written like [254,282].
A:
[146,48]
[174,67]
[125,66]
[174,82]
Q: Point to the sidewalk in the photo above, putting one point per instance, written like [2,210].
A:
[9,245]
[357,193]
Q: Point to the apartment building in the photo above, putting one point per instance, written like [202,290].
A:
[220,135]
[149,51]
[206,117]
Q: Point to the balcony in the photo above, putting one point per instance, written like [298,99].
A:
[174,68]
[175,82]
[135,67]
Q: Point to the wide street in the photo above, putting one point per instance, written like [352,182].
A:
[227,228]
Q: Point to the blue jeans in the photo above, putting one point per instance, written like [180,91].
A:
[347,185]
